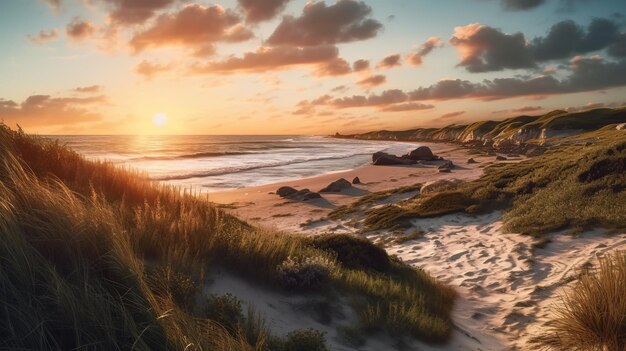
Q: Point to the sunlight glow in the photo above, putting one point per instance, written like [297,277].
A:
[159,120]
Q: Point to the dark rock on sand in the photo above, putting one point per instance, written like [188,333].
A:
[337,186]
[445,170]
[356,180]
[286,191]
[299,195]
[471,161]
[500,158]
[446,165]
[422,153]
[385,159]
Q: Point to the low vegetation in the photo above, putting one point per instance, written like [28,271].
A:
[591,315]
[575,185]
[98,257]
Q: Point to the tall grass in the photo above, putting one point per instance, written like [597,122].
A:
[592,315]
[80,243]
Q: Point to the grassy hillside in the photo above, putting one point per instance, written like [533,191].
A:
[503,134]
[95,257]
[579,184]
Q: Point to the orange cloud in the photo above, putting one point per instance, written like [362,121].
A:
[150,69]
[43,36]
[195,26]
[43,110]
[360,65]
[345,21]
[128,12]
[89,89]
[79,30]
[390,61]
[261,10]
[334,67]
[372,81]
[270,58]
[416,58]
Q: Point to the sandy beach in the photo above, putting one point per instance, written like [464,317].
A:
[506,284]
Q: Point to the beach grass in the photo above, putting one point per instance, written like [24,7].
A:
[591,313]
[85,244]
[575,185]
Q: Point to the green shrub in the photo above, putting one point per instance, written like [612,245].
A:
[354,252]
[166,281]
[301,340]
[225,310]
[304,274]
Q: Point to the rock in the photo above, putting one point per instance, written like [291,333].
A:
[337,186]
[311,195]
[471,161]
[445,170]
[621,126]
[286,191]
[385,159]
[356,180]
[422,153]
[446,165]
[299,195]
[439,185]
[500,158]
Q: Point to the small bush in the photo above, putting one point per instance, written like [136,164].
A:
[354,252]
[300,340]
[307,273]
[165,281]
[225,310]
[592,315]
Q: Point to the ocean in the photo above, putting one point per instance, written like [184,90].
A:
[206,163]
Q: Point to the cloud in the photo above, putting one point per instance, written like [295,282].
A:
[618,47]
[345,21]
[89,89]
[44,110]
[261,10]
[484,49]
[79,30]
[567,38]
[452,114]
[54,4]
[195,26]
[269,58]
[129,12]
[390,61]
[410,106]
[587,74]
[43,36]
[360,65]
[521,5]
[416,58]
[525,109]
[387,97]
[372,81]
[334,67]
[150,69]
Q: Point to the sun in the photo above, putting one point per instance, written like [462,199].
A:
[159,120]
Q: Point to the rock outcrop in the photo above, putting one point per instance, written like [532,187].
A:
[298,195]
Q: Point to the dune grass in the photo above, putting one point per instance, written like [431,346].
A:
[84,246]
[592,315]
[572,186]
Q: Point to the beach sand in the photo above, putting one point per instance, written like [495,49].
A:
[506,285]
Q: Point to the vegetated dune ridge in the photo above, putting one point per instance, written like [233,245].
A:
[510,132]
[98,257]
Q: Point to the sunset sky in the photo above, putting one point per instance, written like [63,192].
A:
[295,67]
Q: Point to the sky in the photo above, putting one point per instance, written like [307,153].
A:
[302,67]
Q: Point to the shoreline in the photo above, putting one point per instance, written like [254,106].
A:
[261,206]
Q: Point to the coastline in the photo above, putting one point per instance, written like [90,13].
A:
[261,206]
